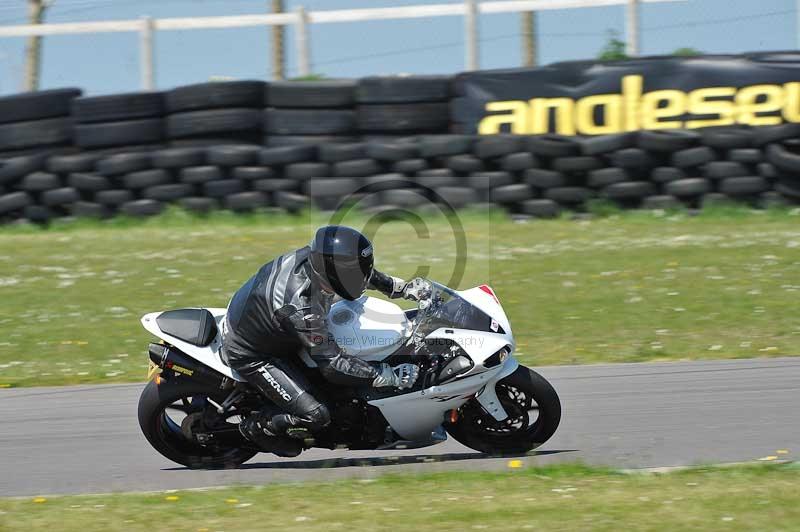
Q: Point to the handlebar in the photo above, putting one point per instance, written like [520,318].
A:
[425,305]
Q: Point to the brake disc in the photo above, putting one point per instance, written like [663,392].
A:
[193,428]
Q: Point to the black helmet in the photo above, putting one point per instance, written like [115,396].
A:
[341,257]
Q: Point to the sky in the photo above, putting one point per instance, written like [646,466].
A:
[108,63]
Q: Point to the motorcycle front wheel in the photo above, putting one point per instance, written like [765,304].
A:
[534,412]
[170,410]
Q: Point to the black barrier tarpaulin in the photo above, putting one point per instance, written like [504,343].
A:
[665,92]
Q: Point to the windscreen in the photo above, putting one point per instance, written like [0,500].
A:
[448,309]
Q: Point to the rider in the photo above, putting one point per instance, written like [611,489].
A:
[281,310]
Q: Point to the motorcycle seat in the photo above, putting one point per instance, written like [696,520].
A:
[194,325]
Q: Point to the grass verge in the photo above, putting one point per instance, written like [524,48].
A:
[565,497]
[621,288]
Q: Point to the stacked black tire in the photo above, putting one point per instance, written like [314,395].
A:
[669,168]
[532,175]
[310,112]
[36,122]
[379,142]
[399,106]
[127,121]
[782,166]
[649,169]
[32,127]
[212,113]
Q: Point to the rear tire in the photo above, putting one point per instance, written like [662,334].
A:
[166,436]
[519,393]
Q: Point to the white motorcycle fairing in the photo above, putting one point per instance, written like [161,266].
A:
[416,415]
[208,355]
[373,329]
[368,327]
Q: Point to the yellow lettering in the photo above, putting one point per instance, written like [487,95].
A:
[632,94]
[603,114]
[563,108]
[753,101]
[612,114]
[652,110]
[516,116]
[791,108]
[706,102]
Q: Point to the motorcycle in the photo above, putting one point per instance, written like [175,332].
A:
[470,386]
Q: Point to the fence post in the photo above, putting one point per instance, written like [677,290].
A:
[471,34]
[529,51]
[302,43]
[33,48]
[797,28]
[278,31]
[146,58]
[632,29]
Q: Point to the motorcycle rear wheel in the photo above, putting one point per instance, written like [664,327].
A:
[166,435]
[520,393]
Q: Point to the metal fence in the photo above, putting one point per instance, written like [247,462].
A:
[301,19]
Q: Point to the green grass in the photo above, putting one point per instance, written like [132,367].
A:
[564,498]
[621,288]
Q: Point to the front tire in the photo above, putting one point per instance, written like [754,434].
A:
[521,393]
[165,434]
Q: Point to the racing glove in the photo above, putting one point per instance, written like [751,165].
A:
[388,284]
[417,289]
[402,376]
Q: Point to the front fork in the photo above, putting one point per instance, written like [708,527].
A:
[487,397]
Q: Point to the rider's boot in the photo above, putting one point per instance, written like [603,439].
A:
[285,424]
[259,430]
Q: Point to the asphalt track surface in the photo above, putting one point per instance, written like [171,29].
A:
[86,439]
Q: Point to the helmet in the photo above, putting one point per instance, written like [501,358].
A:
[341,258]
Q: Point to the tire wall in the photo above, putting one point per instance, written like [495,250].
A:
[244,145]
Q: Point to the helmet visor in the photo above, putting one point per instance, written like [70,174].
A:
[348,277]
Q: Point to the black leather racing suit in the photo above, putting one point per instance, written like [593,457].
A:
[277,312]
